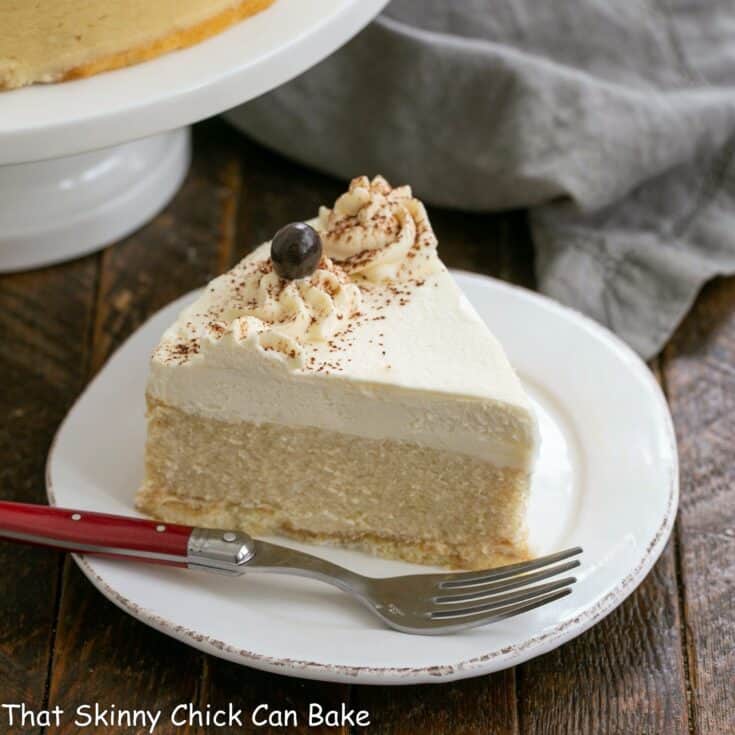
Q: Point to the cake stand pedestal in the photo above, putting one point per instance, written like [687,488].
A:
[64,207]
[85,163]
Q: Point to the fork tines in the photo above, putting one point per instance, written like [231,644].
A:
[469,598]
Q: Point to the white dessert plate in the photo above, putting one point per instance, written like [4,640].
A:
[606,480]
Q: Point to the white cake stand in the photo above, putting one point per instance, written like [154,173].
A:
[84,163]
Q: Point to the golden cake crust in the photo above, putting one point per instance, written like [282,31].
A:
[166,506]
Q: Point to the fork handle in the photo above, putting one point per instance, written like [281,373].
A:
[135,539]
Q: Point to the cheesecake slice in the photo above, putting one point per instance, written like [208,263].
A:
[51,41]
[364,403]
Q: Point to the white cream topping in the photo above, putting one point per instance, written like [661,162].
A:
[378,233]
[257,307]
[375,239]
[374,344]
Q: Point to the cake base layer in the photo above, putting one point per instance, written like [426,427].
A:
[71,57]
[393,499]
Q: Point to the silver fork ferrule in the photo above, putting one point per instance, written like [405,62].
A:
[225,552]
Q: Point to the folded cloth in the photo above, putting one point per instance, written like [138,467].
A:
[613,122]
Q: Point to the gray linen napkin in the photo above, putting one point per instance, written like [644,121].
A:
[613,121]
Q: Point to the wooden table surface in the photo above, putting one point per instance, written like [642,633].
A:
[662,663]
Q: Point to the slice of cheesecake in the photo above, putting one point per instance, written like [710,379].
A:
[54,40]
[351,396]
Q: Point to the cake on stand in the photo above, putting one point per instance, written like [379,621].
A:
[84,163]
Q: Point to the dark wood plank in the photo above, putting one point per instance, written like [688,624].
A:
[496,245]
[482,706]
[623,676]
[102,654]
[699,372]
[261,695]
[45,319]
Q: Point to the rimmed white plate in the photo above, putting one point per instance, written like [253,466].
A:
[607,480]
